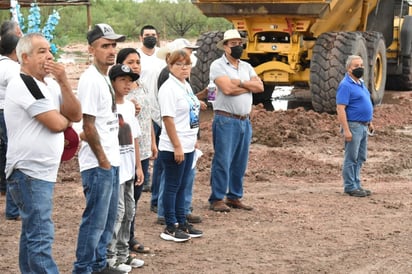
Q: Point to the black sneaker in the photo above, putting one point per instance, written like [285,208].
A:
[153,208]
[190,230]
[173,233]
[357,193]
[109,270]
[146,188]
[367,191]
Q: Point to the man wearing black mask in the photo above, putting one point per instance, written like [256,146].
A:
[355,110]
[236,80]
[151,67]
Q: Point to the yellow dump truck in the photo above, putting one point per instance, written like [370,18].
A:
[306,43]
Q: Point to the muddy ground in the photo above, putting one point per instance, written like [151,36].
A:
[302,221]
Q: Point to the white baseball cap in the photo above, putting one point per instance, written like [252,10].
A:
[179,43]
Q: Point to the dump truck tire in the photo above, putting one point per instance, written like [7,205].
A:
[206,54]
[403,80]
[375,44]
[328,68]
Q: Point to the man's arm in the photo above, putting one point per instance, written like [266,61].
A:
[341,110]
[70,107]
[53,120]
[236,86]
[93,138]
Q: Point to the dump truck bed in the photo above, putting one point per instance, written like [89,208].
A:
[323,15]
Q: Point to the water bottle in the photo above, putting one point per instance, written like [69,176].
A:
[211,92]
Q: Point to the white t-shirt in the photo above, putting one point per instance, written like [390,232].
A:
[129,129]
[8,69]
[32,147]
[96,100]
[178,101]
[151,68]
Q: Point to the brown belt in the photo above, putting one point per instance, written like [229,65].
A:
[231,115]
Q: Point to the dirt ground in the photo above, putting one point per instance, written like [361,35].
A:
[301,222]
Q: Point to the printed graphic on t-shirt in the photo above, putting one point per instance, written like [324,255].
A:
[125,136]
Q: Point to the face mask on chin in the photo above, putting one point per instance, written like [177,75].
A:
[149,42]
[358,72]
[236,51]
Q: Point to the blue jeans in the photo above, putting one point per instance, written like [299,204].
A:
[160,207]
[34,199]
[157,170]
[101,189]
[119,247]
[188,194]
[231,141]
[355,155]
[177,177]
[189,191]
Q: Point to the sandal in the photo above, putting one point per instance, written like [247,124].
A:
[137,247]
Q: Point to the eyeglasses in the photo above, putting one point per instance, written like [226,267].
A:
[182,65]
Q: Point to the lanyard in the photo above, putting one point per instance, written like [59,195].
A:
[114,109]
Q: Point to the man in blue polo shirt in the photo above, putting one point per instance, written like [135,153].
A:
[355,111]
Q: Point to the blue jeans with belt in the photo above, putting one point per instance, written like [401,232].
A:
[34,198]
[355,155]
[231,141]
[101,189]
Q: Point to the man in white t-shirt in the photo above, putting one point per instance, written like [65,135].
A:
[99,157]
[37,111]
[151,67]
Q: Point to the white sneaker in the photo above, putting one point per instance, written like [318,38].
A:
[134,262]
[122,267]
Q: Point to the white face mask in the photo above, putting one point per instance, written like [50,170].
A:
[193,59]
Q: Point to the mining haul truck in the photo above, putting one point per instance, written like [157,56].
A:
[306,43]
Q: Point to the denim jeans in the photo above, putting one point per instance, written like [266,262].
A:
[160,207]
[34,199]
[119,247]
[355,155]
[231,141]
[188,195]
[189,191]
[177,177]
[101,189]
[157,171]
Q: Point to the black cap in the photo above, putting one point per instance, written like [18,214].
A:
[103,31]
[122,70]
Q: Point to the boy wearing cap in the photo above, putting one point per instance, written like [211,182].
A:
[122,77]
[236,80]
[99,157]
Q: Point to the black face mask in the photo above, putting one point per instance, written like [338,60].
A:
[236,52]
[358,72]
[149,42]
